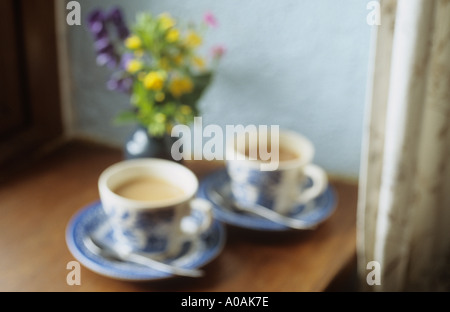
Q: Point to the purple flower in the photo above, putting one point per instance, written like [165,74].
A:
[116,17]
[102,45]
[126,58]
[126,84]
[95,16]
[112,84]
[107,59]
[98,22]
[123,32]
[106,54]
[120,83]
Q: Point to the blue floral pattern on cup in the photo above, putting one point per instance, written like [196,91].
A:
[142,230]
[253,186]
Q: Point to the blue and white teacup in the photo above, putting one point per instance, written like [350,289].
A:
[159,226]
[281,181]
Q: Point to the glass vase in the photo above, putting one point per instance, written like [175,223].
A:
[140,144]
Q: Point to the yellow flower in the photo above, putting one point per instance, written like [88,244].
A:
[160,96]
[178,59]
[139,53]
[160,117]
[187,85]
[133,42]
[154,80]
[166,21]
[185,109]
[164,63]
[199,62]
[193,39]
[134,66]
[172,35]
[180,86]
[141,76]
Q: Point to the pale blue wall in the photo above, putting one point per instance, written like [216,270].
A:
[301,64]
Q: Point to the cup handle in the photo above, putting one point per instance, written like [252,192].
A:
[191,227]
[319,183]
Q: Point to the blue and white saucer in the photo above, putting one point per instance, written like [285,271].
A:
[91,219]
[313,213]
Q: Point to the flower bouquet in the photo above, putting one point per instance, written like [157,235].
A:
[158,63]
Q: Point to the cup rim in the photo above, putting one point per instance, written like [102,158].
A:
[145,204]
[305,159]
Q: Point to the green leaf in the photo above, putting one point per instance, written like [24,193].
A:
[142,98]
[201,82]
[144,29]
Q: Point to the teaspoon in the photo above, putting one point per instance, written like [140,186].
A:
[261,211]
[104,250]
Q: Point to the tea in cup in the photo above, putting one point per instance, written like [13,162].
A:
[151,205]
[282,185]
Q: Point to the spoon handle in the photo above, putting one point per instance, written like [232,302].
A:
[262,212]
[276,217]
[99,248]
[160,266]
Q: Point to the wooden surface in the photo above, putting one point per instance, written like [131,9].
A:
[37,203]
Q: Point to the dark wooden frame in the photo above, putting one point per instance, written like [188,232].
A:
[39,79]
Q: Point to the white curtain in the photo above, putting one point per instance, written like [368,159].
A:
[404,193]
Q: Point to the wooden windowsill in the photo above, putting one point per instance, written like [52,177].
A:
[37,203]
